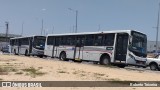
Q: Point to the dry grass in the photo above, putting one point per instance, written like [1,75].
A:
[62,71]
[33,72]
[19,73]
[4,70]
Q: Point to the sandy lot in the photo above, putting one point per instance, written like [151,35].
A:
[21,68]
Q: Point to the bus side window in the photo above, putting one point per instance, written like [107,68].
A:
[20,42]
[63,40]
[16,43]
[50,40]
[78,40]
[70,40]
[57,40]
[108,39]
[98,40]
[24,41]
[83,40]
[89,40]
[11,42]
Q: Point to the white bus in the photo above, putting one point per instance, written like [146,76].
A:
[120,47]
[32,45]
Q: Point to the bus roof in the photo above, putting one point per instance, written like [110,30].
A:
[85,33]
[26,36]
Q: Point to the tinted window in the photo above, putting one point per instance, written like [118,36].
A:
[89,40]
[12,42]
[24,41]
[98,40]
[71,40]
[63,40]
[57,41]
[16,42]
[50,40]
[80,40]
[108,39]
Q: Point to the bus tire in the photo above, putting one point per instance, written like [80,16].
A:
[77,61]
[121,65]
[105,60]
[41,56]
[26,53]
[15,52]
[63,56]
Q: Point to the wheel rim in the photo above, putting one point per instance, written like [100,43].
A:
[62,56]
[153,67]
[105,61]
[15,52]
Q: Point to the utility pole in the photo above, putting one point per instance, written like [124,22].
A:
[76,11]
[157,29]
[76,20]
[22,29]
[42,27]
[7,30]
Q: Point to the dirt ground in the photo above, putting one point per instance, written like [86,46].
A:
[21,68]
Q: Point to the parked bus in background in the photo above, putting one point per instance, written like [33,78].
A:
[121,47]
[33,45]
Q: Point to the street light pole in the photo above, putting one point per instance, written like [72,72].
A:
[22,29]
[76,20]
[157,29]
[42,27]
[76,11]
[7,28]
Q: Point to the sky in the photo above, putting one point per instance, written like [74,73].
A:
[93,15]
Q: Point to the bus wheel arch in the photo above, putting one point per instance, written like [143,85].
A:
[63,56]
[105,59]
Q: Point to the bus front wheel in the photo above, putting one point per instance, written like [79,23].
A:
[105,60]
[63,56]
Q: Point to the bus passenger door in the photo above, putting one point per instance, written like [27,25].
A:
[18,42]
[20,46]
[121,47]
[55,47]
[78,48]
[30,45]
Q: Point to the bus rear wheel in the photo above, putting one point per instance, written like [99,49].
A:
[26,53]
[15,52]
[41,56]
[105,60]
[63,56]
[121,65]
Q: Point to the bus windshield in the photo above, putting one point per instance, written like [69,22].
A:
[138,44]
[39,42]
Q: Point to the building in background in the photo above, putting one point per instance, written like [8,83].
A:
[4,41]
[151,46]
